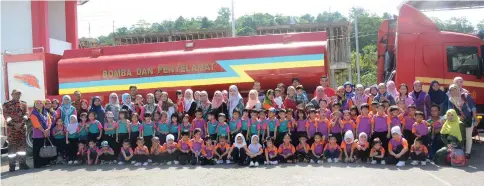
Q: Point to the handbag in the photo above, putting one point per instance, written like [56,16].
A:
[48,151]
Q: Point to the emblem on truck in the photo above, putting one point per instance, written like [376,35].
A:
[28,79]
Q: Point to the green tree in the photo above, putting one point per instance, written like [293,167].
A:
[368,25]
[180,24]
[368,58]
[330,17]
[223,18]
[282,20]
[122,31]
[455,24]
[140,27]
[306,18]
[480,25]
[206,23]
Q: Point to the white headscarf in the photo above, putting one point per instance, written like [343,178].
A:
[72,127]
[170,137]
[116,102]
[349,134]
[396,130]
[240,145]
[361,135]
[188,100]
[233,100]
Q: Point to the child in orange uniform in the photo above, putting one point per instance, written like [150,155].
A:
[141,153]
[222,150]
[184,146]
[377,152]
[270,152]
[317,149]
[418,152]
[156,151]
[170,153]
[348,146]
[302,150]
[397,148]
[286,150]
[362,150]
[208,152]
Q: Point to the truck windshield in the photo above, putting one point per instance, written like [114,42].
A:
[463,59]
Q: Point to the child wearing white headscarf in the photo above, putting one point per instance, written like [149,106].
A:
[348,146]
[362,147]
[238,150]
[255,151]
[73,138]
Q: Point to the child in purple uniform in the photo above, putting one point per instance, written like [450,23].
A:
[92,152]
[196,148]
[332,151]
[311,126]
[363,122]
[126,153]
[317,149]
[105,154]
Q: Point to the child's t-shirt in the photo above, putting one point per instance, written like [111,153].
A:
[331,147]
[436,125]
[122,127]
[336,127]
[393,144]
[164,127]
[364,125]
[263,124]
[311,126]
[185,127]
[286,149]
[300,147]
[379,151]
[348,125]
[174,128]
[59,132]
[244,122]
[208,151]
[223,129]
[148,129]
[128,151]
[82,151]
[396,121]
[255,148]
[141,149]
[272,124]
[135,127]
[199,123]
[254,126]
[317,148]
[420,128]
[222,147]
[271,151]
[107,151]
[283,126]
[184,145]
[365,145]
[212,126]
[110,125]
[380,122]
[234,124]
[422,149]
[348,147]
[197,144]
[159,146]
[82,130]
[301,125]
[92,150]
[408,122]
[170,147]
[95,127]
[323,126]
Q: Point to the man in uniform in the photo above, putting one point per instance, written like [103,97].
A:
[77,100]
[16,115]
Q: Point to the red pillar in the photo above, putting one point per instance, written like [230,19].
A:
[71,23]
[40,25]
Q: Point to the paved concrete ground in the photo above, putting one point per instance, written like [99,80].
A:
[288,174]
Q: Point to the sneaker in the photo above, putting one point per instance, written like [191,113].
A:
[400,164]
[256,164]
[423,163]
[251,164]
[76,162]
[154,164]
[102,162]
[311,161]
[133,162]
[274,162]
[137,164]
[414,163]
[320,161]
[266,163]
[227,162]
[330,160]
[336,160]
[149,160]
[220,161]
[373,162]
[145,163]
[428,160]
[168,163]
[121,163]
[70,162]
[115,161]
[176,162]
[383,162]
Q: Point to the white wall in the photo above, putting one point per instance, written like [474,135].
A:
[57,20]
[16,32]
[58,47]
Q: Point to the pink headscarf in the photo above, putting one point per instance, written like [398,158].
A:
[392,89]
[251,103]
[217,99]
[225,95]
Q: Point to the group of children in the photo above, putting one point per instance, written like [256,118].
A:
[273,136]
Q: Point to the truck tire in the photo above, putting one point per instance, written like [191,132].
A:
[29,140]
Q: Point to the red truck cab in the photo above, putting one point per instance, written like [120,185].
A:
[412,47]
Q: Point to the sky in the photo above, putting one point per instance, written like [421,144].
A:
[100,14]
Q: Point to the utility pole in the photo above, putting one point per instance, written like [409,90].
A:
[357,49]
[89,39]
[114,41]
[233,20]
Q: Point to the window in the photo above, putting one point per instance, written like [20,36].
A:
[463,59]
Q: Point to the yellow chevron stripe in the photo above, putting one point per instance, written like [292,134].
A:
[450,81]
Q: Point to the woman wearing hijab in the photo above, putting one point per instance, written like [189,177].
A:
[290,101]
[253,101]
[436,97]
[282,87]
[451,134]
[392,89]
[359,98]
[269,100]
[189,103]
[157,94]
[84,107]
[127,104]
[66,109]
[349,92]
[204,103]
[384,95]
[151,107]
[196,97]
[98,109]
[418,96]
[50,110]
[113,105]
[225,94]
[166,104]
[218,104]
[235,100]
[318,97]
[341,98]
[41,124]
[465,108]
[238,151]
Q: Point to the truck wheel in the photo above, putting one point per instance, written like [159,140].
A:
[29,140]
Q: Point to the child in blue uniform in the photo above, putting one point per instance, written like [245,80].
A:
[163,127]
[134,128]
[147,129]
